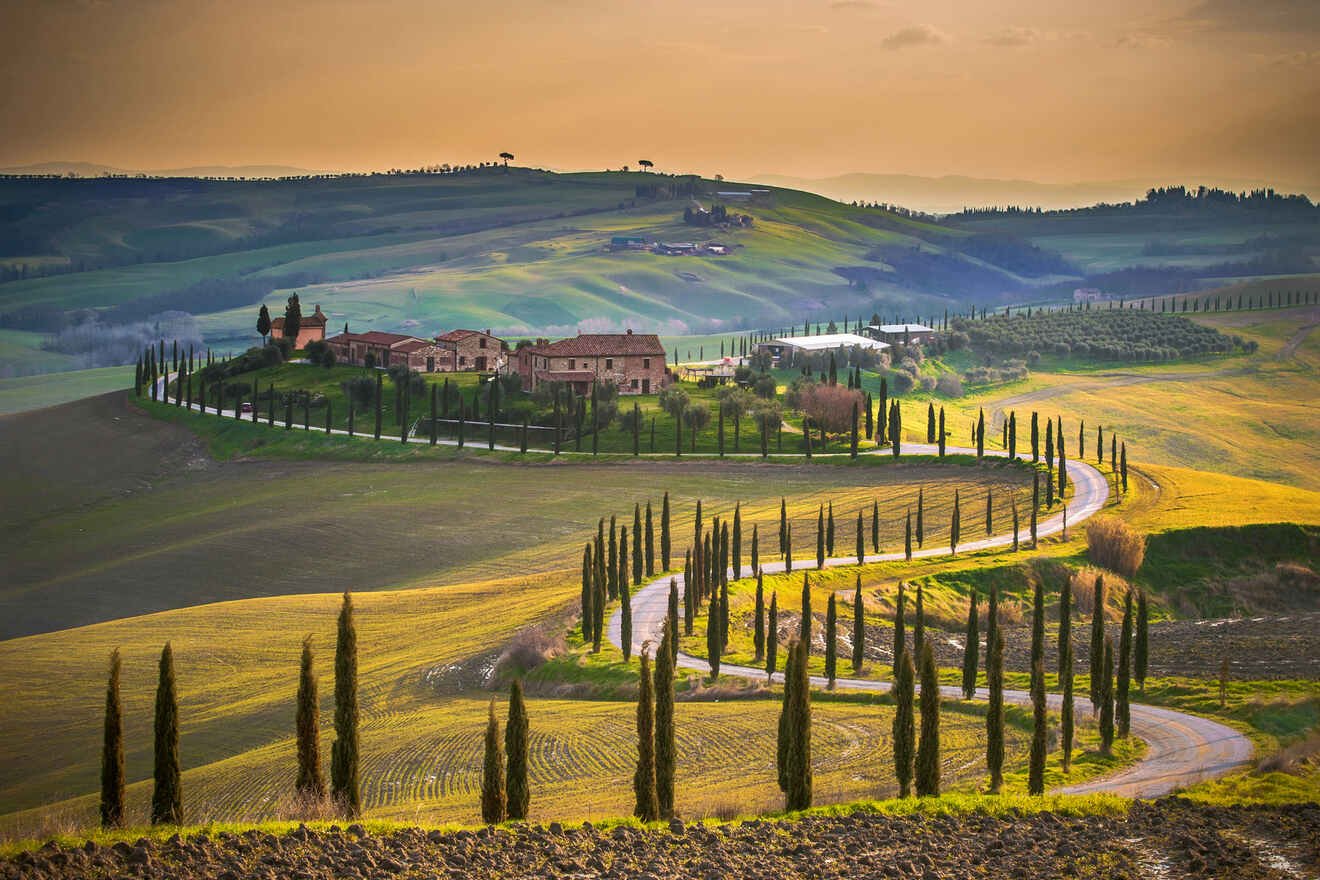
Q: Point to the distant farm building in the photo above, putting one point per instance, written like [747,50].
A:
[635,362]
[777,348]
[628,243]
[474,350]
[1088,294]
[310,328]
[391,349]
[676,249]
[900,333]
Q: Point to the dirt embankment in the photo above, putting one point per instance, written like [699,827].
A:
[1164,839]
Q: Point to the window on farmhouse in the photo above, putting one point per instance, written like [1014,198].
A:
[634,384]
[481,343]
[609,363]
[646,363]
[570,363]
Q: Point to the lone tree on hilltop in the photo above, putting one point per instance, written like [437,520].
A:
[515,749]
[167,796]
[494,796]
[928,750]
[344,750]
[645,164]
[310,784]
[113,783]
[905,733]
[507,157]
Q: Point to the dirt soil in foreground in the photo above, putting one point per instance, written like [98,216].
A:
[1165,839]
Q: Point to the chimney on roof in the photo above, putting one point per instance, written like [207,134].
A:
[487,331]
[630,331]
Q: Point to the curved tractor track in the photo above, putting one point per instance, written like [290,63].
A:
[1181,749]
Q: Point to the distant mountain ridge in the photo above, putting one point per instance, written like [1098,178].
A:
[952,193]
[91,169]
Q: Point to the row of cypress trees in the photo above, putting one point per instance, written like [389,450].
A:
[167,792]
[505,794]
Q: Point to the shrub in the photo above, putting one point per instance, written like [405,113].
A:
[361,390]
[901,381]
[1114,544]
[320,353]
[765,387]
[928,383]
[949,385]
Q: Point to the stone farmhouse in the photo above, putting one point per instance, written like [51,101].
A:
[474,350]
[635,362]
[389,349]
[310,328]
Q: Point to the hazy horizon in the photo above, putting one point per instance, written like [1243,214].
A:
[1015,89]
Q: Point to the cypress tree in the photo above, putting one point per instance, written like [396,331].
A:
[896,429]
[1066,715]
[518,795]
[989,512]
[784,740]
[1049,448]
[980,435]
[167,795]
[758,633]
[820,539]
[904,731]
[1035,438]
[1065,624]
[1063,464]
[689,594]
[772,636]
[1099,444]
[829,531]
[875,526]
[1035,504]
[788,549]
[941,438]
[907,536]
[831,637]
[799,792]
[918,623]
[1107,699]
[625,613]
[881,413]
[1140,652]
[861,540]
[647,805]
[971,650]
[113,783]
[494,796]
[735,541]
[994,716]
[344,750]
[598,601]
[921,516]
[612,564]
[928,749]
[1097,656]
[955,526]
[1037,626]
[1039,731]
[930,423]
[622,580]
[714,643]
[310,784]
[1012,435]
[1122,710]
[900,632]
[1013,499]
[724,616]
[756,553]
[588,591]
[853,448]
[673,617]
[650,542]
[804,630]
[665,747]
[1123,466]
[637,546]
[665,547]
[859,627]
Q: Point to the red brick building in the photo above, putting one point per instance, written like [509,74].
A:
[635,362]
[310,328]
[388,349]
[474,350]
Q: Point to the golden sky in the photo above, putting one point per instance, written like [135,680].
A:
[1051,90]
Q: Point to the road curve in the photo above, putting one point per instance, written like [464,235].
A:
[1181,749]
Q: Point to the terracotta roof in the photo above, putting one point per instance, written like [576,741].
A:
[604,345]
[316,318]
[458,335]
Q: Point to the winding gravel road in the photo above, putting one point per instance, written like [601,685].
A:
[1181,749]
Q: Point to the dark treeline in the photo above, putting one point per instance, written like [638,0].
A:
[1172,199]
[1104,334]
